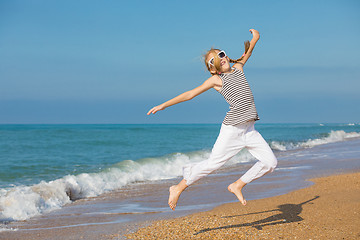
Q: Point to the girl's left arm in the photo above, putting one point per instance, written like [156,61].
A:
[256,37]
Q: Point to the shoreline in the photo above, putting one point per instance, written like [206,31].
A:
[325,210]
[118,213]
[286,216]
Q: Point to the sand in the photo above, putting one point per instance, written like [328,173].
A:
[329,209]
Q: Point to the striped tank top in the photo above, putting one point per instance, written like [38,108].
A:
[236,91]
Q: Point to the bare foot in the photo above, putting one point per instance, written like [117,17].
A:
[174,196]
[236,188]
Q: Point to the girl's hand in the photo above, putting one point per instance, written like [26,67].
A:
[155,109]
[255,33]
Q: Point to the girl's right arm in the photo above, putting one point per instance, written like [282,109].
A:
[209,83]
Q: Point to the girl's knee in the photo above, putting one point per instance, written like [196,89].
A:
[273,164]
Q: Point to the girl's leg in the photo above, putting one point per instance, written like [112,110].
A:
[236,188]
[226,146]
[259,148]
[175,192]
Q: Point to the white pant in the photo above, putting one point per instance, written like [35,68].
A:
[230,141]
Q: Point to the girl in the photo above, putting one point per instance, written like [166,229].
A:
[237,130]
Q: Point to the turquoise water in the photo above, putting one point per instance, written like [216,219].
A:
[47,166]
[31,153]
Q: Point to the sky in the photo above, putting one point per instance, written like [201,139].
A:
[111,61]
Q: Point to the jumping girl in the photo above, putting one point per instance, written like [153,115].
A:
[237,130]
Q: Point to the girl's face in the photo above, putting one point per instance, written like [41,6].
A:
[224,63]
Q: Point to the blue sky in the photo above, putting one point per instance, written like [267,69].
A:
[111,61]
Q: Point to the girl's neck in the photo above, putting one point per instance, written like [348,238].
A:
[228,71]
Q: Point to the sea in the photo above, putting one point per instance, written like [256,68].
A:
[45,168]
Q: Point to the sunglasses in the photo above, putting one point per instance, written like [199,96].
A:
[220,54]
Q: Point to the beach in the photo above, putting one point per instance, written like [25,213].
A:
[330,209]
[282,205]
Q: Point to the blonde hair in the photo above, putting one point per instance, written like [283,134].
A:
[217,60]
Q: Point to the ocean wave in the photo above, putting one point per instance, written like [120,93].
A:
[333,136]
[24,202]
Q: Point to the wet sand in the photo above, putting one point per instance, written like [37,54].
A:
[330,209]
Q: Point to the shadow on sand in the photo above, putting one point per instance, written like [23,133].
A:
[288,213]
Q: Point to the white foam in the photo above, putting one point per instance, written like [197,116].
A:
[291,168]
[333,136]
[4,229]
[280,146]
[24,202]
